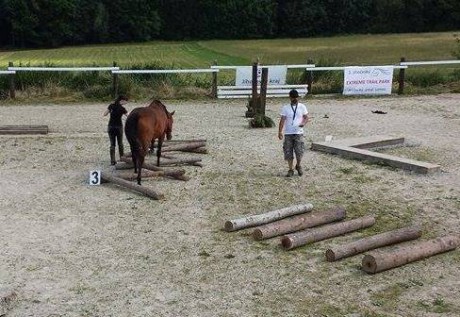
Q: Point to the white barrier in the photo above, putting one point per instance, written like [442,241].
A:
[227,92]
[7,72]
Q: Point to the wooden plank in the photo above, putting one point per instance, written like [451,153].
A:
[370,141]
[376,158]
[24,129]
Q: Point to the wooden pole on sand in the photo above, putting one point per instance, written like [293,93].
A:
[380,261]
[373,242]
[251,221]
[121,182]
[300,238]
[299,222]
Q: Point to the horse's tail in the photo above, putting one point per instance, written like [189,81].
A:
[131,128]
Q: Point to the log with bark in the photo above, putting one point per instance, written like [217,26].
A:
[131,176]
[255,220]
[176,174]
[373,242]
[379,261]
[105,176]
[24,129]
[299,222]
[182,147]
[311,235]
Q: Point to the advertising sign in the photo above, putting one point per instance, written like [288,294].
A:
[276,75]
[368,80]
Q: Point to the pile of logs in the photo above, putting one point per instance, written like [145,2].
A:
[123,174]
[298,226]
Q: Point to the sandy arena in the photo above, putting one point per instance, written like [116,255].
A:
[70,249]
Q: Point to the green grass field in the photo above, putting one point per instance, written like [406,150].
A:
[344,50]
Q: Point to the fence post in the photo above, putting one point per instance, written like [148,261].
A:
[214,82]
[263,91]
[402,73]
[309,78]
[12,83]
[114,82]
[254,81]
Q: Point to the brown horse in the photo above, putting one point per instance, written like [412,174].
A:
[143,126]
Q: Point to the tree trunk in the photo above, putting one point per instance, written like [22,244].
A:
[297,223]
[374,242]
[300,238]
[267,217]
[121,182]
[384,260]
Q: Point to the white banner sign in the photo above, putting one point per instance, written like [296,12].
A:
[276,75]
[369,80]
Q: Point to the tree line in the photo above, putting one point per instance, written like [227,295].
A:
[53,23]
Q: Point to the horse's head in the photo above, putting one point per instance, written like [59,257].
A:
[169,124]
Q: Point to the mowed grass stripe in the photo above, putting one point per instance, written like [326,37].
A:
[345,50]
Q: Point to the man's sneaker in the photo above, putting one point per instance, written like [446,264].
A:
[299,170]
[290,173]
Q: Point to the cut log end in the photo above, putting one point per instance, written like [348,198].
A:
[369,264]
[257,234]
[229,226]
[330,255]
[287,242]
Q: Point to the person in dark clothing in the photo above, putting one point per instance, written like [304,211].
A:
[115,127]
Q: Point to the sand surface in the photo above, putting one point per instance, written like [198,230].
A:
[70,249]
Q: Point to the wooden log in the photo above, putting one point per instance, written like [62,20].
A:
[182,147]
[374,242]
[304,237]
[255,220]
[379,261]
[199,150]
[177,161]
[121,182]
[131,176]
[23,129]
[297,223]
[153,167]
[168,161]
[183,141]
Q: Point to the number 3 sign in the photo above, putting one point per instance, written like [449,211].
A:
[95,177]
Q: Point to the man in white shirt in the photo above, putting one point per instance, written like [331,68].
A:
[293,118]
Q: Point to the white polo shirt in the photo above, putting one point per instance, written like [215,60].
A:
[294,117]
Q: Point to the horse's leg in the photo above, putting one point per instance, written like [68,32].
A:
[139,170]
[160,143]
[152,146]
[134,159]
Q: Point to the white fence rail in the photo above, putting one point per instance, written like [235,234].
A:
[226,92]
[62,69]
[430,63]
[164,71]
